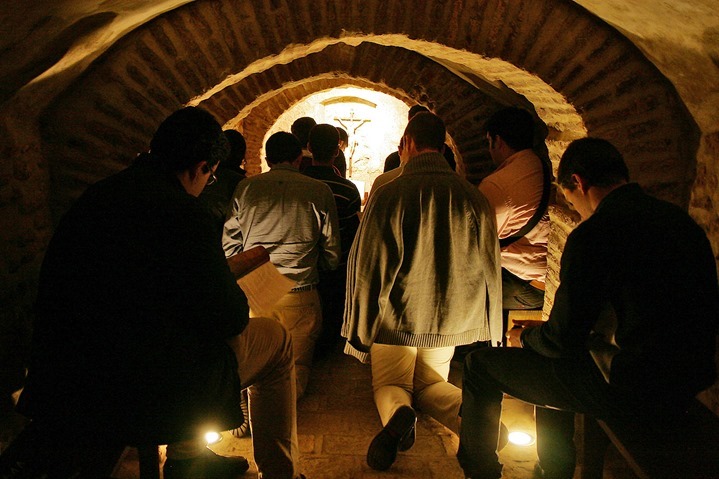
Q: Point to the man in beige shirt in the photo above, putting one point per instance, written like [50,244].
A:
[514,191]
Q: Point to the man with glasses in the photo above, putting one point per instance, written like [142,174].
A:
[142,335]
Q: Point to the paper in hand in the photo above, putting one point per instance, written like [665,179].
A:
[262,283]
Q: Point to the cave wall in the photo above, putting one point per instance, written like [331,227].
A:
[248,61]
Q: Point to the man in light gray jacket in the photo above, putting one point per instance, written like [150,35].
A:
[423,277]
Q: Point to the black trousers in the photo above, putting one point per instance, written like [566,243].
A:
[517,293]
[331,289]
[559,387]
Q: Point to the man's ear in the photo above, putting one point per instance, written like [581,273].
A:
[580,182]
[408,143]
[199,168]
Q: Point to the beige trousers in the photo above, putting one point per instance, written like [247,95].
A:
[301,313]
[266,368]
[403,375]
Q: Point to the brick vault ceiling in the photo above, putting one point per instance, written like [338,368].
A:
[47,37]
[153,56]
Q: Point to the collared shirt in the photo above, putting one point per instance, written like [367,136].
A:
[292,215]
[514,190]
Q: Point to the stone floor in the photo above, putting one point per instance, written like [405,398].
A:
[337,420]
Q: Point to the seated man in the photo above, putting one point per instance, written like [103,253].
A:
[632,328]
[518,192]
[142,334]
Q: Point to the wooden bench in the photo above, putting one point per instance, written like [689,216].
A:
[683,446]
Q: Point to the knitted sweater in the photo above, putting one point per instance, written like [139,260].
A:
[424,269]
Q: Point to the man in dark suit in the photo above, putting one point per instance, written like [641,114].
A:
[632,328]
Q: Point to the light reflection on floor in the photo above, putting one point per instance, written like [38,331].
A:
[337,420]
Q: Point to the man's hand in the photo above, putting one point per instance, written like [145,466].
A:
[513,337]
[247,261]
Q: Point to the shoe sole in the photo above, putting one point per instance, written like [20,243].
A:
[407,441]
[382,451]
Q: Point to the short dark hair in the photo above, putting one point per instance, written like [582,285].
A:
[282,147]
[514,125]
[596,160]
[343,134]
[414,109]
[187,137]
[427,130]
[301,129]
[238,148]
[324,141]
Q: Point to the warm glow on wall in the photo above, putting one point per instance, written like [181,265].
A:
[374,122]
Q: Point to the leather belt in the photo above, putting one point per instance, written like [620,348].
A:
[307,287]
[537,284]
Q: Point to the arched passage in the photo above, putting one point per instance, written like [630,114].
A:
[110,112]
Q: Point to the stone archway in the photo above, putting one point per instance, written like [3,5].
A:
[108,114]
[285,84]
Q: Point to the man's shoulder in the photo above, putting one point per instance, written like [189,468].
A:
[346,182]
[386,177]
[280,174]
[310,187]
[318,172]
[141,182]
[315,184]
[395,183]
[140,196]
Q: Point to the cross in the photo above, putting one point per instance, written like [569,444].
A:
[351,120]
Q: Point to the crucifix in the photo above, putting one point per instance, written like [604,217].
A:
[351,124]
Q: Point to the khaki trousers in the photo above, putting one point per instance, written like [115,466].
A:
[301,313]
[403,375]
[266,367]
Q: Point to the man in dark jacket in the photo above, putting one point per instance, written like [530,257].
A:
[141,329]
[324,146]
[632,328]
[218,195]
